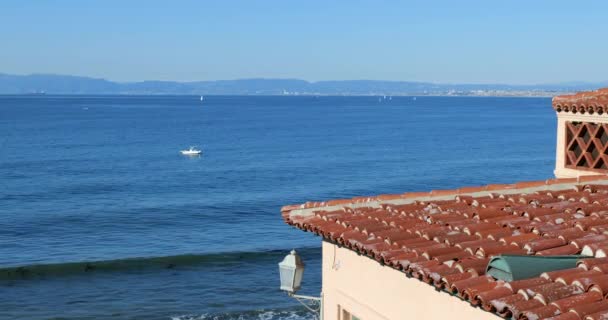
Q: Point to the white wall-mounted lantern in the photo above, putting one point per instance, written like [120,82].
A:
[291,270]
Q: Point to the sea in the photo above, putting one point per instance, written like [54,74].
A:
[101,217]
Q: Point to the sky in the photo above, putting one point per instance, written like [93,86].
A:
[516,42]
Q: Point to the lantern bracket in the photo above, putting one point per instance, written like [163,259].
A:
[315,300]
[298,296]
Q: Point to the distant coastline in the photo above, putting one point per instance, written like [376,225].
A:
[49,84]
[506,94]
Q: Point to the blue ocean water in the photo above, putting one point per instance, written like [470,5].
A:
[102,218]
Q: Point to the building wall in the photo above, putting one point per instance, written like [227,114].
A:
[370,291]
[560,158]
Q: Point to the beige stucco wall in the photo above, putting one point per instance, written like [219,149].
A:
[370,291]
[560,157]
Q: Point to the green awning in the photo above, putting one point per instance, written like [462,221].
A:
[517,267]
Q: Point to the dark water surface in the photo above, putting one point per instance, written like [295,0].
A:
[102,218]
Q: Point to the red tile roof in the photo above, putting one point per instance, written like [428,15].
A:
[583,102]
[446,239]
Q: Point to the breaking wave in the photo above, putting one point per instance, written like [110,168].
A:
[252,315]
[139,263]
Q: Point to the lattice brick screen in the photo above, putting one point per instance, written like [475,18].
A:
[586,146]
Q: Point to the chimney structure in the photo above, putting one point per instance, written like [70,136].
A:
[582,134]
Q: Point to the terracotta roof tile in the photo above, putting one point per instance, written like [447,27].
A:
[602,315]
[590,308]
[531,292]
[434,273]
[503,305]
[444,250]
[571,234]
[494,234]
[559,293]
[566,304]
[565,316]
[472,189]
[529,184]
[446,238]
[519,240]
[454,238]
[549,230]
[517,308]
[553,275]
[569,278]
[540,312]
[458,287]
[495,187]
[589,239]
[599,229]
[600,284]
[471,292]
[543,243]
[595,249]
[591,178]
[590,263]
[587,282]
[498,249]
[410,195]
[561,180]
[483,298]
[568,249]
[603,267]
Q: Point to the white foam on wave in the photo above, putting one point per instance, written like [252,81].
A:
[251,315]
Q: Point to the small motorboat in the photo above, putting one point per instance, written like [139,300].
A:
[192,151]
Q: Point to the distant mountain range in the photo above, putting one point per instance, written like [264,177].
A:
[64,84]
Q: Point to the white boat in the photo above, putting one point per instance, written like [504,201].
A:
[192,151]
[202,98]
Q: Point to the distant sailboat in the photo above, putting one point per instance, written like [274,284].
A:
[202,98]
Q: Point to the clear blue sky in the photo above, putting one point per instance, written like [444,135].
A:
[442,41]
